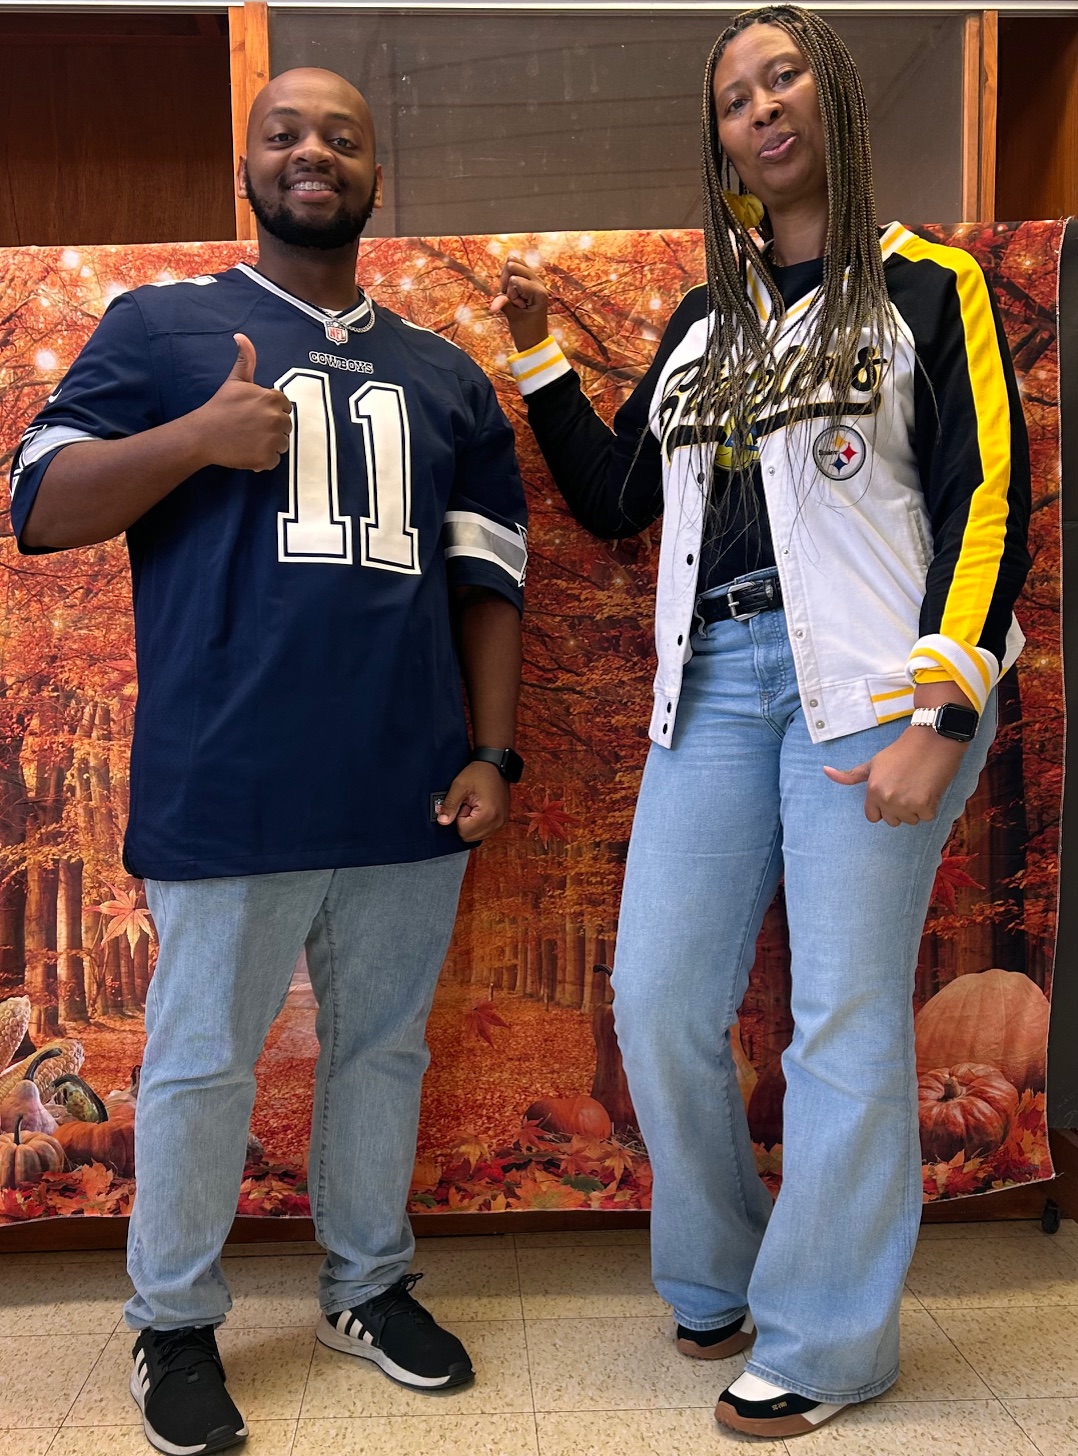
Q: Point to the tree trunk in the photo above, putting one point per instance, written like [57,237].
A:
[97,993]
[531,969]
[70,978]
[127,977]
[1008,836]
[12,948]
[577,972]
[14,807]
[142,968]
[548,978]
[41,951]
[113,978]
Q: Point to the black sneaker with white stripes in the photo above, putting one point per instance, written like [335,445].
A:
[402,1338]
[178,1383]
[755,1407]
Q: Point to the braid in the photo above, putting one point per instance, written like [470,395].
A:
[740,361]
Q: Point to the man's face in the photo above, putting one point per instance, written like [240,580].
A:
[310,173]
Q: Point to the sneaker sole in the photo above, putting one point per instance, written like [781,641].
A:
[327,1334]
[775,1427]
[733,1346]
[216,1441]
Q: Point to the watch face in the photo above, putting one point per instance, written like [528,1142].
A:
[957,722]
[513,766]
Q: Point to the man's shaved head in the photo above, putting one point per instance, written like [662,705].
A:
[305,84]
[310,173]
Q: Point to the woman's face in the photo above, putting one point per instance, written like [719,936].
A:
[769,118]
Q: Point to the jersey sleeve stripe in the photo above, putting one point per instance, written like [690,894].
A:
[43,441]
[967,666]
[470,534]
[976,571]
[538,366]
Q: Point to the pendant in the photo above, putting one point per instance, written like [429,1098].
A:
[336,333]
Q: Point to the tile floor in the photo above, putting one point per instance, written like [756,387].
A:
[569,1339]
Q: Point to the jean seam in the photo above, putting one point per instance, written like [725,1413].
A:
[749,920]
[331,956]
[767,696]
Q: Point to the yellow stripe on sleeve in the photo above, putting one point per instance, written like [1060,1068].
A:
[535,349]
[977,568]
[976,695]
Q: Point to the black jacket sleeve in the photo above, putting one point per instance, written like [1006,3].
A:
[973,453]
[611,478]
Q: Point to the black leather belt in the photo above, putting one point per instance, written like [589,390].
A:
[740,601]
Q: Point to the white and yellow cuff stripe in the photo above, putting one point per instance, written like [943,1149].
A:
[936,658]
[540,365]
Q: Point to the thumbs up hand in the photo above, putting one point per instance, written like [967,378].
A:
[244,426]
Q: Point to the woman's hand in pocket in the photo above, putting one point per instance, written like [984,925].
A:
[905,782]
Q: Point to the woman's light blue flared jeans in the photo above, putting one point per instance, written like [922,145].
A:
[739,802]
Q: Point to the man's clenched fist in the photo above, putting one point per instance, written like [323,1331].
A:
[245,427]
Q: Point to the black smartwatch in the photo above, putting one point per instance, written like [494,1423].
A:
[508,763]
[951,720]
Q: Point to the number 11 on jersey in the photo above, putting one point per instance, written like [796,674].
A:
[313,529]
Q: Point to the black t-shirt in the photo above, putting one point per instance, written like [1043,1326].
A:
[612,479]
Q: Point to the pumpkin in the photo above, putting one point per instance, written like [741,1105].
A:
[23,1104]
[965,1109]
[14,1021]
[765,1105]
[25,1159]
[111,1143]
[991,1018]
[71,1057]
[124,1096]
[571,1116]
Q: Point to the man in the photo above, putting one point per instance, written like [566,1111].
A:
[317,497]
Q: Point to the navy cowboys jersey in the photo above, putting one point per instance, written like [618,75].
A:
[299,693]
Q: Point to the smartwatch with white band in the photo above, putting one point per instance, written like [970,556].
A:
[951,720]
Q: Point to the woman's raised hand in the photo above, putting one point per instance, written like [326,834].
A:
[523,301]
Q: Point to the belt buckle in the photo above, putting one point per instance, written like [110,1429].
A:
[736,613]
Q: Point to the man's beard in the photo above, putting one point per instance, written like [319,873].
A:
[336,232]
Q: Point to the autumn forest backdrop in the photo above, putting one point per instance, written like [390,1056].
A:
[525,1104]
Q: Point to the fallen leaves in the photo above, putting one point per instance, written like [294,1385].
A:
[273,1190]
[92,1191]
[481,1021]
[535,1170]
[1024,1157]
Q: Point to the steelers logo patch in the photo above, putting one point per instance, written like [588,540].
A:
[839,453]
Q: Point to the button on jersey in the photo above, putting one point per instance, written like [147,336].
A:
[299,692]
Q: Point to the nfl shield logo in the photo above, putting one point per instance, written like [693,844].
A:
[336,333]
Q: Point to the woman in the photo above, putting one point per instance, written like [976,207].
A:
[832,431]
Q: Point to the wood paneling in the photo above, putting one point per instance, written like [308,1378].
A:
[1037,150]
[55,1235]
[248,37]
[979,82]
[114,129]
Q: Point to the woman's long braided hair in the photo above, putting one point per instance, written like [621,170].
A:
[740,354]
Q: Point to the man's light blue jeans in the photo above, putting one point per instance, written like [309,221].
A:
[738,802]
[375,939]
